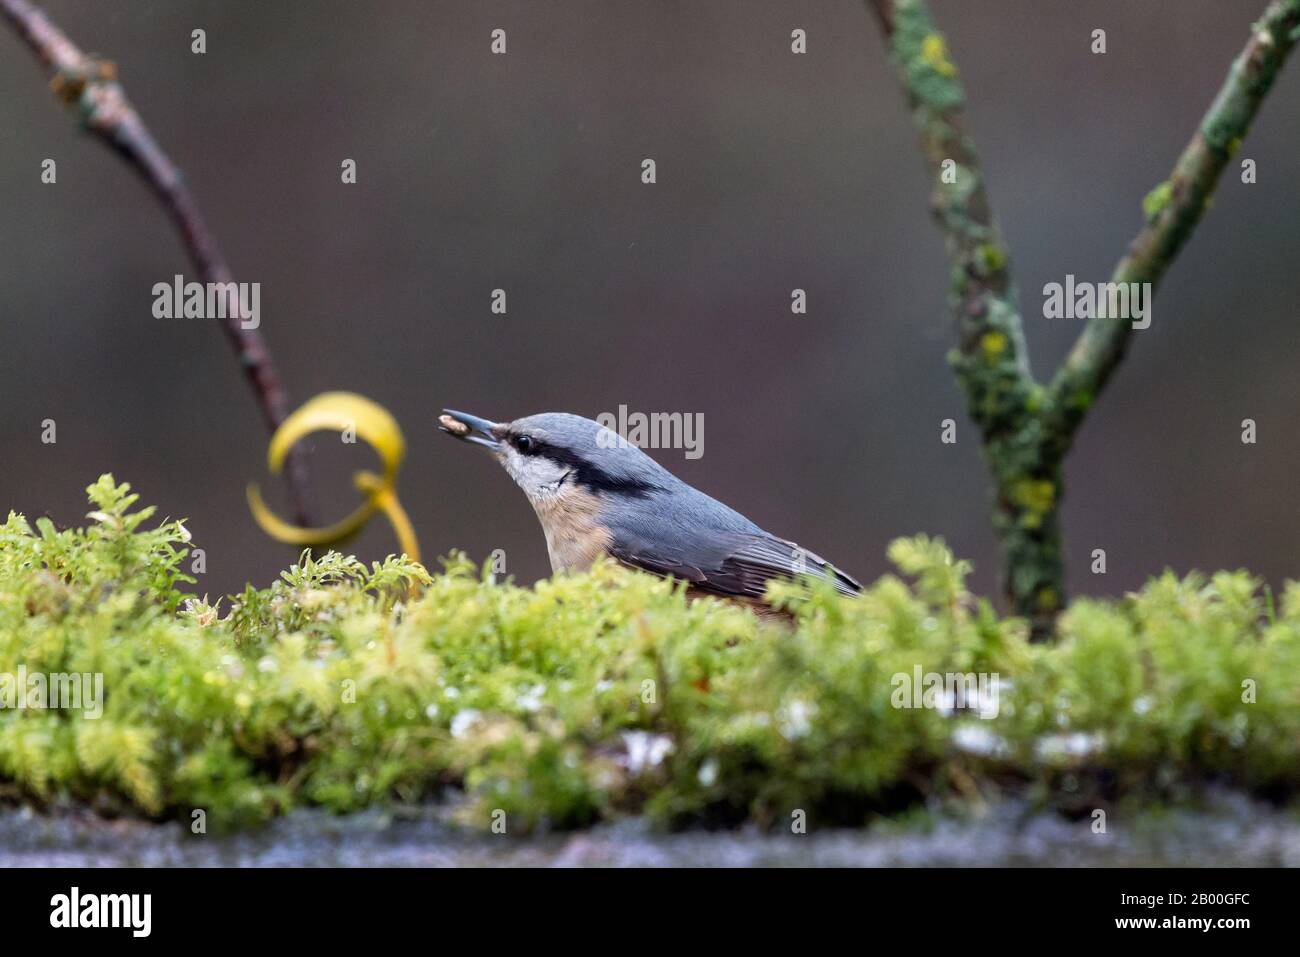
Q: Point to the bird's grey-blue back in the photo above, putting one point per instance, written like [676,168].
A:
[612,462]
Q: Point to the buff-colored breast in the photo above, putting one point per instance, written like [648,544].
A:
[574,537]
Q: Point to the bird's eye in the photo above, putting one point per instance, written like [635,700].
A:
[524,444]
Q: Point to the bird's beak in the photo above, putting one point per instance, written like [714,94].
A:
[470,428]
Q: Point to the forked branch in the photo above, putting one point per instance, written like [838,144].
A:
[1026,429]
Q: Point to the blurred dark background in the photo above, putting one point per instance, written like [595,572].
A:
[522,171]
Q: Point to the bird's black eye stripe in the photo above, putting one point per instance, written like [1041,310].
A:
[585,472]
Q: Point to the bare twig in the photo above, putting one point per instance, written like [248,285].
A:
[90,85]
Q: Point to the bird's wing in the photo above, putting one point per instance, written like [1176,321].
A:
[732,564]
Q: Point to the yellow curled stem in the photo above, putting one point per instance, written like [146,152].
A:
[282,531]
[384,498]
[341,412]
[348,413]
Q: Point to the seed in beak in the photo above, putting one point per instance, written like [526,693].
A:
[454,426]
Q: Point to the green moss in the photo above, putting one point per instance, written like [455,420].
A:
[1154,203]
[934,51]
[1038,495]
[922,54]
[1035,398]
[993,344]
[591,696]
[992,259]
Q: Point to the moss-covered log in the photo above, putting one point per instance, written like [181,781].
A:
[594,696]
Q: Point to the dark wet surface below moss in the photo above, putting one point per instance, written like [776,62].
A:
[1229,831]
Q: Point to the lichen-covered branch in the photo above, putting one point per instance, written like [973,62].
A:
[90,86]
[1027,430]
[1174,208]
[990,362]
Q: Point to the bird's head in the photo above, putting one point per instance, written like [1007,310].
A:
[555,453]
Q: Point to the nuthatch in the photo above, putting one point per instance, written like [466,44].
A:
[597,494]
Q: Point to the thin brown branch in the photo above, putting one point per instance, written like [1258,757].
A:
[90,85]
[884,11]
